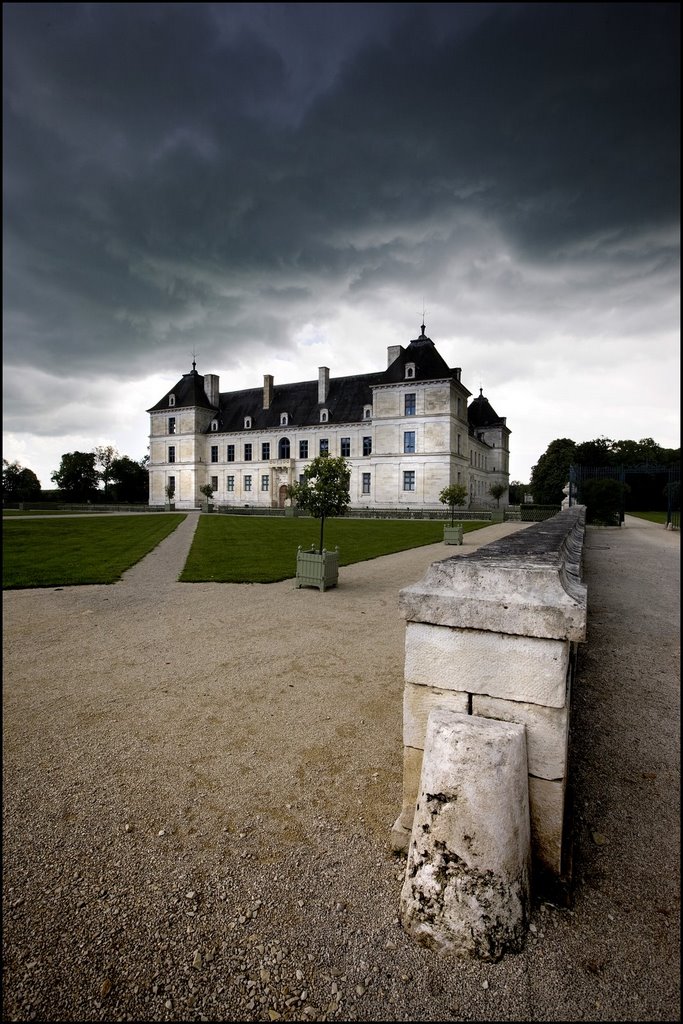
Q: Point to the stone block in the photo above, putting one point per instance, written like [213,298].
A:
[522,668]
[546,809]
[467,884]
[547,731]
[418,701]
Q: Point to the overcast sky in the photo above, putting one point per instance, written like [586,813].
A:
[278,187]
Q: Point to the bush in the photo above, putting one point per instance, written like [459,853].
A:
[604,500]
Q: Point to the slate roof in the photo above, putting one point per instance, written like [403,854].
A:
[480,413]
[345,402]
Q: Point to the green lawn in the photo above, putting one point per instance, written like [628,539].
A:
[48,512]
[652,517]
[245,549]
[70,552]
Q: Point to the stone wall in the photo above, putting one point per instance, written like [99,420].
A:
[494,634]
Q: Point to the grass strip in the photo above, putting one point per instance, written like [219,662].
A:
[72,552]
[259,549]
[652,517]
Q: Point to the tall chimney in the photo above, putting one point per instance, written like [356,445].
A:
[393,352]
[323,383]
[267,390]
[211,388]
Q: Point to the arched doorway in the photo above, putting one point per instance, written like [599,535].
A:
[282,496]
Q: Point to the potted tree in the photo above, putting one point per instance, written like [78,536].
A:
[497,491]
[453,495]
[323,492]
[169,491]
[207,491]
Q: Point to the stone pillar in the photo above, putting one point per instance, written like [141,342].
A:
[467,885]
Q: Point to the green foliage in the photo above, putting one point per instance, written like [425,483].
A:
[453,495]
[70,552]
[105,456]
[518,491]
[77,476]
[497,491]
[169,491]
[19,484]
[324,490]
[262,549]
[551,472]
[130,480]
[604,500]
[207,491]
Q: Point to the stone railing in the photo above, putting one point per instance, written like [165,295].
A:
[494,634]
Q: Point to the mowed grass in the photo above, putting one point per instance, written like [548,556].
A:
[652,517]
[71,552]
[242,549]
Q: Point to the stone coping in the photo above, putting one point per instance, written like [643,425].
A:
[526,584]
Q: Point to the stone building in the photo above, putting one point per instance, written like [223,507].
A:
[407,432]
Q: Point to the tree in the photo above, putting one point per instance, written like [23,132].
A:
[453,495]
[77,476]
[551,472]
[599,452]
[518,491]
[130,480]
[497,491]
[604,500]
[105,456]
[19,484]
[324,491]
[207,491]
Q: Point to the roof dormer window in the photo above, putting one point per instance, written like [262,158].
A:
[410,371]
[214,424]
[323,415]
[247,422]
[284,419]
[367,412]
[171,399]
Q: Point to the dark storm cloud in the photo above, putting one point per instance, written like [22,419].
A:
[180,174]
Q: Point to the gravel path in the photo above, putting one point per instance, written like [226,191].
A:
[200,782]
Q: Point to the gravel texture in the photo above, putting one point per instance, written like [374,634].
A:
[200,782]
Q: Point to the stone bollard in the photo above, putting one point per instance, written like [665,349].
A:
[467,884]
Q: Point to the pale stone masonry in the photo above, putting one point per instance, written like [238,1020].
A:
[493,634]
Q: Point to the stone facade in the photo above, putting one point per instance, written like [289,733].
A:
[406,431]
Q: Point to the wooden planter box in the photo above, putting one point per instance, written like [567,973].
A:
[316,570]
[452,534]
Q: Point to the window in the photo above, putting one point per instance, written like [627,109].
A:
[247,422]
[265,482]
[366,483]
[408,440]
[283,448]
[247,453]
[345,445]
[171,400]
[409,480]
[171,453]
[231,453]
[459,443]
[367,446]
[265,451]
[367,412]
[323,416]
[302,478]
[214,483]
[247,482]
[171,483]
[171,424]
[214,453]
[410,404]
[410,370]
[284,419]
[303,449]
[214,424]
[231,483]
[324,446]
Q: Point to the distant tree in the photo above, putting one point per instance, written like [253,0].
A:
[518,491]
[19,484]
[453,495]
[207,491]
[77,476]
[551,472]
[105,456]
[604,500]
[497,491]
[324,490]
[130,480]
[595,453]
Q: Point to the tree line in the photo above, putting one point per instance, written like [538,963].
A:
[550,474]
[100,475]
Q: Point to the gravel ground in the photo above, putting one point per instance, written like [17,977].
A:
[200,782]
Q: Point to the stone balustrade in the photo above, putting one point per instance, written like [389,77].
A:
[494,634]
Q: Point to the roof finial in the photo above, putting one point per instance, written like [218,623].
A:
[194,361]
[422,325]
